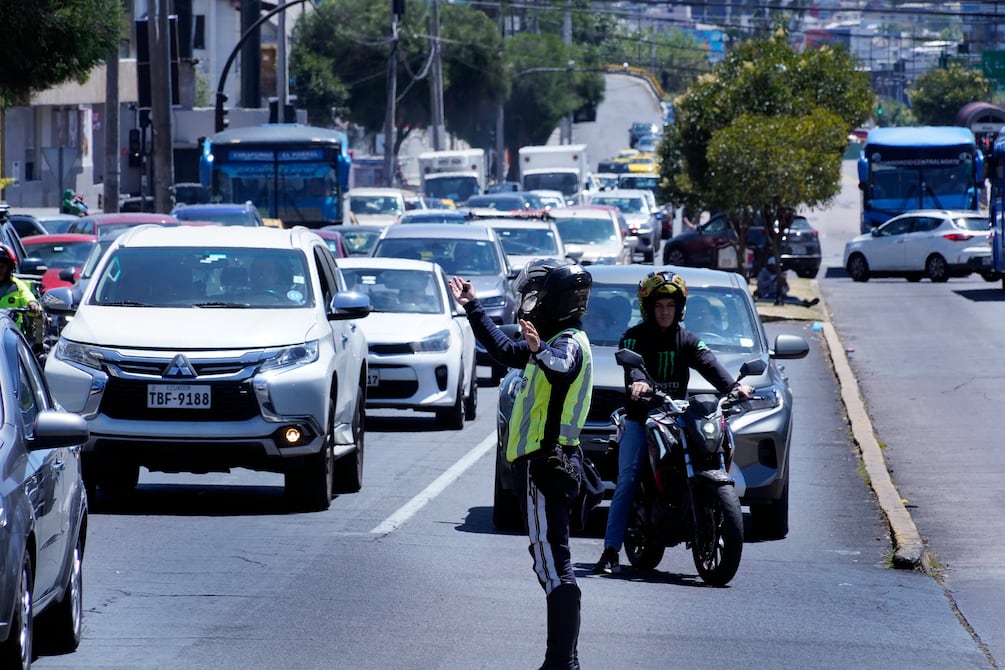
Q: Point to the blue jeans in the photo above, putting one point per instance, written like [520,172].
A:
[631,456]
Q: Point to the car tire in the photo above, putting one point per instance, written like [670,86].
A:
[770,521]
[505,507]
[61,625]
[471,402]
[347,472]
[858,268]
[809,273]
[308,482]
[936,269]
[452,418]
[16,651]
[673,256]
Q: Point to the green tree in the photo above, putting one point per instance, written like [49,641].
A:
[675,57]
[764,134]
[49,42]
[549,79]
[340,57]
[937,95]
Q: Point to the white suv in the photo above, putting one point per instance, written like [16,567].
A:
[200,349]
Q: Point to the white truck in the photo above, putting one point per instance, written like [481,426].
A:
[562,167]
[456,175]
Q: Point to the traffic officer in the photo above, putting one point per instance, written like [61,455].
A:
[549,411]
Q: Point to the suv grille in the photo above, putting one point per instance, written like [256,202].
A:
[127,399]
[604,402]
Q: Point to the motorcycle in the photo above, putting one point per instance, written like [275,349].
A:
[686,495]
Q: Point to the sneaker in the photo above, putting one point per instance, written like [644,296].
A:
[810,303]
[608,563]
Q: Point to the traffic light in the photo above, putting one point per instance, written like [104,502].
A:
[221,112]
[879,109]
[135,148]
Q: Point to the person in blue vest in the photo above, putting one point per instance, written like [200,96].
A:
[549,411]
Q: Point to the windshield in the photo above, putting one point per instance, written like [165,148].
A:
[359,242]
[300,192]
[61,254]
[897,188]
[458,189]
[375,204]
[587,230]
[625,205]
[204,277]
[721,317]
[456,257]
[400,291]
[566,182]
[528,241]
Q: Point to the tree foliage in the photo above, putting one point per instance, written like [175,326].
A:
[340,63]
[937,95]
[49,42]
[764,134]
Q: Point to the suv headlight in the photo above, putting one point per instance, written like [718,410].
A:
[80,354]
[285,357]
[436,342]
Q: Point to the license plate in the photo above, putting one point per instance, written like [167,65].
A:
[372,378]
[178,396]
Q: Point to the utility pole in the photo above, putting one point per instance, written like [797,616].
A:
[565,130]
[159,28]
[282,69]
[500,116]
[110,123]
[436,83]
[391,90]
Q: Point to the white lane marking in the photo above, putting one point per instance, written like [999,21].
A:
[449,476]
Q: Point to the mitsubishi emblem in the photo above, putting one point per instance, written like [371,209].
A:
[179,367]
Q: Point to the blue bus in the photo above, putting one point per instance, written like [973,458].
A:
[928,167]
[291,172]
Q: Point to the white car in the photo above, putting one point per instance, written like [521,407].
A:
[378,206]
[937,244]
[422,348]
[527,239]
[639,209]
[201,349]
[597,233]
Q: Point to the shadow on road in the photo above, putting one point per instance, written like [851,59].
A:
[207,500]
[993,293]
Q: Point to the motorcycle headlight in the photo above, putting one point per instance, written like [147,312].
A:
[436,342]
[761,400]
[80,354]
[285,357]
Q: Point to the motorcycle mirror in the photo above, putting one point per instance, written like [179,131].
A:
[754,366]
[627,358]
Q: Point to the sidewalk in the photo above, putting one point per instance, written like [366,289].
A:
[801,288]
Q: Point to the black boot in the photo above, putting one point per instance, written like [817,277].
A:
[563,628]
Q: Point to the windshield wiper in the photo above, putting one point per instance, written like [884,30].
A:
[124,303]
[222,304]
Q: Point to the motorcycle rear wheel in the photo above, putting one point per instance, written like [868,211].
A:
[643,550]
[716,550]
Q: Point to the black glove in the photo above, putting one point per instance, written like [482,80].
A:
[554,474]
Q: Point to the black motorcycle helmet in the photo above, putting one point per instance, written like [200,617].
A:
[552,291]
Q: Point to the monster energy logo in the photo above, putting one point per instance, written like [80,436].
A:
[630,344]
[664,364]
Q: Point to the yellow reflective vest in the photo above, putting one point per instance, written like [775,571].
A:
[530,418]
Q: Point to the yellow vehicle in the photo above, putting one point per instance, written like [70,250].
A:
[643,163]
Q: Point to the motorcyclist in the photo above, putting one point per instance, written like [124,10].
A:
[15,292]
[549,411]
[670,352]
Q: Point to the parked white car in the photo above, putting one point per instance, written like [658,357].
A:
[937,244]
[200,349]
[427,365]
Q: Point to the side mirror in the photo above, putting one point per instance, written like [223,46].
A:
[349,305]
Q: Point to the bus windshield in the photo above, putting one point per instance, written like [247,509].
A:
[297,174]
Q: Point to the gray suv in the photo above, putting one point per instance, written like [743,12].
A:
[200,349]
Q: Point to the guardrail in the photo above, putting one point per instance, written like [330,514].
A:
[641,73]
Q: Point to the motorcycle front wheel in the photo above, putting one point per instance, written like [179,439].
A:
[644,551]
[718,544]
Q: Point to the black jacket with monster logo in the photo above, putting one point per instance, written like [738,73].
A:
[669,358]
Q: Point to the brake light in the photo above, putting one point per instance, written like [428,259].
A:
[958,237]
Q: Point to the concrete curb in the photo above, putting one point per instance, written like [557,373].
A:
[909,551]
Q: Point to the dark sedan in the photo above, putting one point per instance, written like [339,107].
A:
[713,245]
[43,511]
[800,248]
